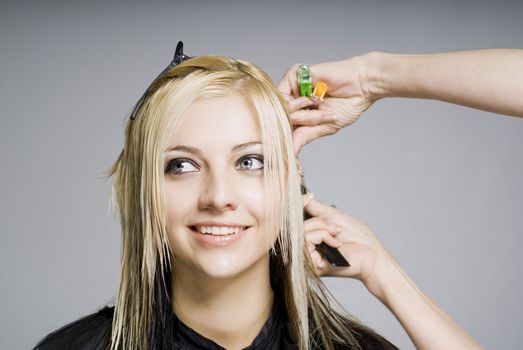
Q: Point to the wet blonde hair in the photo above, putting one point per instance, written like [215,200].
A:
[138,196]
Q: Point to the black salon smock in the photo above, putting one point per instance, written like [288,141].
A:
[90,333]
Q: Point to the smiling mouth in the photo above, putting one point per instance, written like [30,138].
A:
[218,230]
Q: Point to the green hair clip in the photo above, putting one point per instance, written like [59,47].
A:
[305,80]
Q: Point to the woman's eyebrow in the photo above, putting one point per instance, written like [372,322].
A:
[182,148]
[197,151]
[243,146]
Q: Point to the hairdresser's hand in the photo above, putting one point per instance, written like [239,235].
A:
[484,79]
[369,259]
[425,322]
[347,98]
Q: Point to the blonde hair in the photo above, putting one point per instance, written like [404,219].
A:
[138,196]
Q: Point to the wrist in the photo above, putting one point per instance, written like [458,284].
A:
[388,277]
[371,75]
[386,74]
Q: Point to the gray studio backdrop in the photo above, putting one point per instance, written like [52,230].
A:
[441,185]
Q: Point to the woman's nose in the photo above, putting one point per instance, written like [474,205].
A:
[218,193]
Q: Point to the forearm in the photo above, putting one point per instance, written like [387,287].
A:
[490,79]
[427,325]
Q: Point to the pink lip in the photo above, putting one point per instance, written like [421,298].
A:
[211,241]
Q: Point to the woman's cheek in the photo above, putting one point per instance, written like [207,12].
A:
[179,200]
[253,196]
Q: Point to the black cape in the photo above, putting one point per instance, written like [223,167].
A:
[93,332]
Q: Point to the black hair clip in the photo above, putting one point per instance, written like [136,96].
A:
[178,58]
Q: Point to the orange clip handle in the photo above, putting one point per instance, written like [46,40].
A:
[320,90]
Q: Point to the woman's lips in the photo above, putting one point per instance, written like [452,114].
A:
[216,241]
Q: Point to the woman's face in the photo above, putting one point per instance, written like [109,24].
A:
[214,187]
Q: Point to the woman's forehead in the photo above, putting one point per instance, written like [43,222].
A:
[221,120]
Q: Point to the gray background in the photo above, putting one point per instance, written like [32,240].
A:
[440,184]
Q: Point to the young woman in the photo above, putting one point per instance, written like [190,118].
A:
[216,253]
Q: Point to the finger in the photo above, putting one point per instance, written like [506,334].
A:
[319,261]
[305,134]
[311,117]
[299,103]
[313,224]
[298,142]
[302,136]
[316,208]
[284,85]
[307,197]
[316,223]
[289,82]
[310,247]
[321,236]
[288,97]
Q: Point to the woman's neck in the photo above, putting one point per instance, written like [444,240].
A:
[229,311]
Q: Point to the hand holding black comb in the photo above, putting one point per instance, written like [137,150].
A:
[332,254]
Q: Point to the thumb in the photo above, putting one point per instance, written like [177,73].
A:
[305,134]
[285,87]
[300,138]
[289,83]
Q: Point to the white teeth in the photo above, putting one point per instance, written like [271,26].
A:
[218,231]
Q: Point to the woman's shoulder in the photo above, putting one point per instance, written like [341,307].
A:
[88,333]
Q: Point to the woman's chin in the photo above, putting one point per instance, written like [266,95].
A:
[226,267]
[222,268]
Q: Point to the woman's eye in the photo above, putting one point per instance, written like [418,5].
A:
[180,166]
[251,163]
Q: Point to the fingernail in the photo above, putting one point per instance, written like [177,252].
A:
[339,244]
[332,117]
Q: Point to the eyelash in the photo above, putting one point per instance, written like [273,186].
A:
[168,167]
